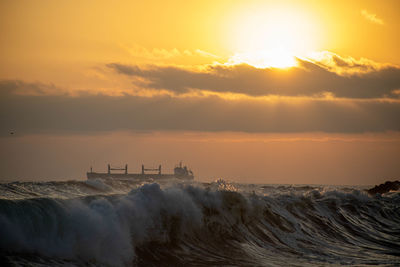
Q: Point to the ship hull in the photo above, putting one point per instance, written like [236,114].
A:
[137,176]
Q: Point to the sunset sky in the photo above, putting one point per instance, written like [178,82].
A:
[291,92]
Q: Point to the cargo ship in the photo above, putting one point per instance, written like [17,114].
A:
[180,172]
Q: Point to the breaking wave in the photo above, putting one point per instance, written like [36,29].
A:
[113,224]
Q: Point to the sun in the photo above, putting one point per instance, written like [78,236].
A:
[271,37]
[272,58]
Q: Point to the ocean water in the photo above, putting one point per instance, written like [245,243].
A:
[170,223]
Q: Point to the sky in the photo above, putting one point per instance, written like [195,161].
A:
[292,92]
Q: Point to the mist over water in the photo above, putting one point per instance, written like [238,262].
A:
[172,223]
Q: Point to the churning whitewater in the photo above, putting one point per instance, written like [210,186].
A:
[127,223]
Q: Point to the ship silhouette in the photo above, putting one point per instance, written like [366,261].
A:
[180,172]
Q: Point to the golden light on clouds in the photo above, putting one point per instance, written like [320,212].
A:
[279,58]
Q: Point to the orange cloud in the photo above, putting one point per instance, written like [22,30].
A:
[346,65]
[26,114]
[328,75]
[371,17]
[162,53]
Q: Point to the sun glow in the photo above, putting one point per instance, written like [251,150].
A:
[271,37]
[278,58]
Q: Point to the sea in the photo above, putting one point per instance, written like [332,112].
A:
[175,223]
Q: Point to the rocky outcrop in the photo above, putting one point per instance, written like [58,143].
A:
[384,188]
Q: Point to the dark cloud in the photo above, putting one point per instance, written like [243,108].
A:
[33,88]
[93,113]
[308,79]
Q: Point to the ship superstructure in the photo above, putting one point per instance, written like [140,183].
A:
[180,172]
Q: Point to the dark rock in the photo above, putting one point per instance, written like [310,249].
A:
[384,188]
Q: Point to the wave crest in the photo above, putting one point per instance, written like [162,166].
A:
[187,224]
